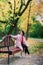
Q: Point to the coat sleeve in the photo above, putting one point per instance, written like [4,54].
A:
[14,36]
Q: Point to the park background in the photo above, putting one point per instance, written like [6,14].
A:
[26,15]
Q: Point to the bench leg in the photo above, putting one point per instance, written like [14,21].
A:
[8,56]
[8,59]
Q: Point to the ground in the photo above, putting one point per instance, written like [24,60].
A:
[32,59]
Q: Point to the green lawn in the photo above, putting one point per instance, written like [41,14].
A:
[35,45]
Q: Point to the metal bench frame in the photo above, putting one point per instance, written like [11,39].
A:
[7,42]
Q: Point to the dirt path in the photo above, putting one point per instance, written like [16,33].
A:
[32,59]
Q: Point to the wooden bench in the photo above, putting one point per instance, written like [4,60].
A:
[8,44]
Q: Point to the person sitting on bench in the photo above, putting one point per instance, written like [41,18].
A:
[24,43]
[21,41]
[18,41]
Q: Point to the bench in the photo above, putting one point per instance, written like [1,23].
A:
[8,44]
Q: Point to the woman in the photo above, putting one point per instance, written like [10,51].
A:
[24,43]
[18,41]
[21,42]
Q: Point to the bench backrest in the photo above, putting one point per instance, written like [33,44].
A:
[7,42]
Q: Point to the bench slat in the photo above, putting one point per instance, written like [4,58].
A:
[11,50]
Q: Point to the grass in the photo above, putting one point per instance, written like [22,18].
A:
[34,45]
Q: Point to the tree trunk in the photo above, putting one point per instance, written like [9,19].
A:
[28,23]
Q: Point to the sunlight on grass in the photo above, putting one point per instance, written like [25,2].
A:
[34,45]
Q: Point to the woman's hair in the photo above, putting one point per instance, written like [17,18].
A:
[23,32]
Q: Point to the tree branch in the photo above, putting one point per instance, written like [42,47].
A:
[14,6]
[25,7]
[4,22]
[20,7]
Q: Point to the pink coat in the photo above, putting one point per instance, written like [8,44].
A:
[18,40]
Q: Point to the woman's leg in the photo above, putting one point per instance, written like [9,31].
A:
[25,48]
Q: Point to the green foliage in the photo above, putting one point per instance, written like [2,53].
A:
[7,28]
[1,33]
[3,0]
[33,18]
[36,30]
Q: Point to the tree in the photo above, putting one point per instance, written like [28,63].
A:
[16,15]
[36,30]
[28,24]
